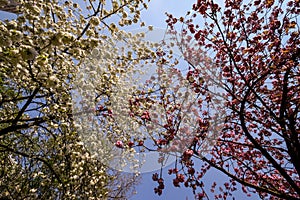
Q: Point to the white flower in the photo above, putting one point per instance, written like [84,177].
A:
[95,21]
[33,190]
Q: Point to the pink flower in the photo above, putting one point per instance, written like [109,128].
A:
[146,116]
[130,144]
[141,143]
[119,144]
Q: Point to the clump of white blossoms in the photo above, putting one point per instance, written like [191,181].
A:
[41,50]
[106,81]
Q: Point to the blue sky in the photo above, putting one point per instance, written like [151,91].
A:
[155,15]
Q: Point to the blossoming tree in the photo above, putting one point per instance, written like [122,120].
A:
[41,50]
[254,49]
